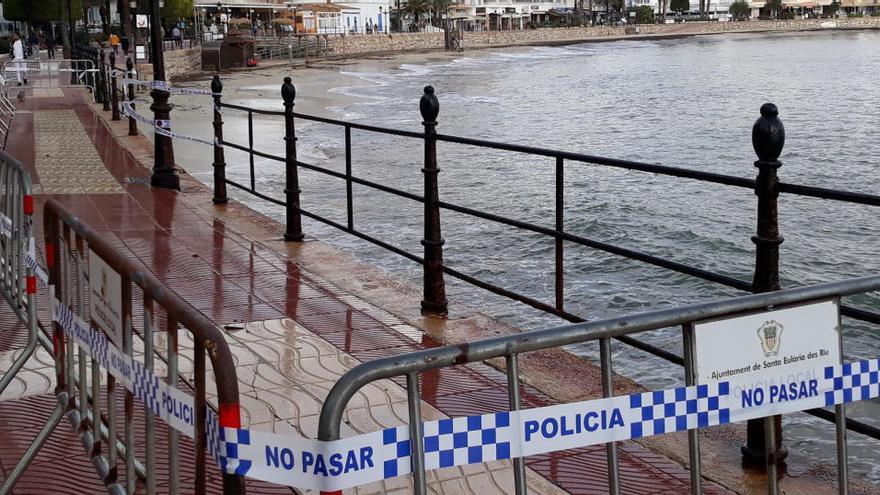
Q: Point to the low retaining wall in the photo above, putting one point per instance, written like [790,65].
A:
[402,42]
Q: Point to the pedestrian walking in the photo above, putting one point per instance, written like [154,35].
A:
[175,35]
[34,44]
[50,42]
[18,58]
[114,43]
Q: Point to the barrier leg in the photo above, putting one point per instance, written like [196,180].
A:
[37,444]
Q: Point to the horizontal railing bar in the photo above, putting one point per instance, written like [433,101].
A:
[366,237]
[860,314]
[831,194]
[268,156]
[363,182]
[608,248]
[254,110]
[362,127]
[728,180]
[851,424]
[650,349]
[247,149]
[255,193]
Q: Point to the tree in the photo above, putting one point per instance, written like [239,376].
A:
[680,5]
[438,7]
[834,7]
[644,14]
[773,7]
[417,8]
[740,10]
[31,11]
[178,9]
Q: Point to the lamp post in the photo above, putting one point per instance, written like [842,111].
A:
[164,174]
[132,38]
[292,16]
[72,32]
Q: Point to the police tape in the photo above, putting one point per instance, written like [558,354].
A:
[40,69]
[167,86]
[30,255]
[167,402]
[304,463]
[161,127]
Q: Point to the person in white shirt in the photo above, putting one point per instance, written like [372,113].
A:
[18,58]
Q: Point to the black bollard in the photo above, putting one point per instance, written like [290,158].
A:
[291,186]
[132,123]
[114,93]
[219,155]
[102,76]
[768,138]
[434,291]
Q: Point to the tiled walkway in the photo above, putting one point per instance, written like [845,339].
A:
[293,334]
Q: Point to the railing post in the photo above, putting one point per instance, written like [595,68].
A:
[291,186]
[768,138]
[434,296]
[105,100]
[219,156]
[132,123]
[114,95]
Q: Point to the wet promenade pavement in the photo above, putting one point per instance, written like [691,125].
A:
[292,332]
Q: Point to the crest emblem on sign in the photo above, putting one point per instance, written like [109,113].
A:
[770,335]
[103,290]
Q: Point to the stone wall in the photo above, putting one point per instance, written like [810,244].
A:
[344,46]
[177,63]
[378,43]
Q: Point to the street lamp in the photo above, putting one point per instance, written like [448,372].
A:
[132,35]
[164,173]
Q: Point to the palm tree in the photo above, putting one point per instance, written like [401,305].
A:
[417,8]
[439,7]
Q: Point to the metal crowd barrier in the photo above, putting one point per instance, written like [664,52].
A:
[7,112]
[51,74]
[109,318]
[510,347]
[17,282]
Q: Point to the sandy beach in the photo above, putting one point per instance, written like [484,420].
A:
[321,90]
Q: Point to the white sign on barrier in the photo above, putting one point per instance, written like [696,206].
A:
[783,342]
[774,355]
[105,301]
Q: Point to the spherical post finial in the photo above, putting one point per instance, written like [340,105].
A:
[216,84]
[429,106]
[288,91]
[768,134]
[129,64]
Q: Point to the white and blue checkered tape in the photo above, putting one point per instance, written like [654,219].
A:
[311,464]
[7,230]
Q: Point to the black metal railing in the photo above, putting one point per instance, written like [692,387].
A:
[109,88]
[768,140]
